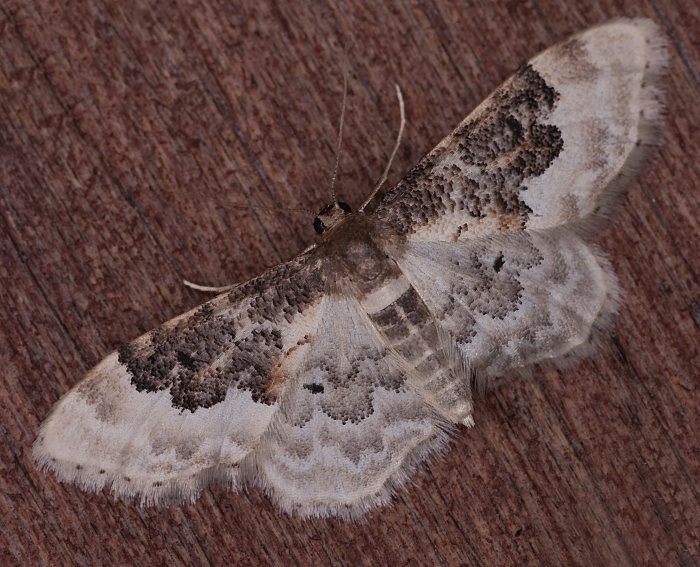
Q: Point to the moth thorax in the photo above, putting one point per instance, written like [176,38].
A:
[370,268]
[329,215]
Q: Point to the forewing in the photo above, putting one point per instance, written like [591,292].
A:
[184,404]
[352,428]
[549,147]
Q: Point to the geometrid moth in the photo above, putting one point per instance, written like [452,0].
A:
[328,378]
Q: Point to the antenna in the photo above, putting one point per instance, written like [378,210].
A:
[340,134]
[208,288]
[384,176]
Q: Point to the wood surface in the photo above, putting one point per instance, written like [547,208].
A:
[126,127]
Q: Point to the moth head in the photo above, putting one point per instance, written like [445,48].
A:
[329,216]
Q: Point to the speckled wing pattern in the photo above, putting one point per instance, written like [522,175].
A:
[327,379]
[184,405]
[501,208]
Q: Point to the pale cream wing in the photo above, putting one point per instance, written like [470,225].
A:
[353,427]
[549,147]
[489,227]
[183,405]
[327,399]
[608,111]
[513,301]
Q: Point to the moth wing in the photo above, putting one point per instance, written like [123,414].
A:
[352,428]
[489,226]
[516,300]
[550,147]
[609,112]
[184,404]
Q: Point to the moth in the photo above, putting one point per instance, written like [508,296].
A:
[326,380]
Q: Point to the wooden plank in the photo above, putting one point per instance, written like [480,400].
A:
[123,125]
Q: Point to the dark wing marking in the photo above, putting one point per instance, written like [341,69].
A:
[489,226]
[183,405]
[478,172]
[352,428]
[232,341]
[551,146]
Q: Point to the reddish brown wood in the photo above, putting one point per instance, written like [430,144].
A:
[124,124]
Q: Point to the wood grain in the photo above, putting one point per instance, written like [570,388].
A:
[124,126]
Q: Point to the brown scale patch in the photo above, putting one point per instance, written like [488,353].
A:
[186,449]
[492,287]
[558,271]
[498,150]
[574,65]
[499,292]
[106,407]
[177,358]
[278,375]
[199,358]
[598,152]
[356,449]
[570,207]
[344,389]
[352,259]
[281,292]
[398,320]
[408,325]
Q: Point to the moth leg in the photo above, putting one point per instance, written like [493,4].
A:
[208,288]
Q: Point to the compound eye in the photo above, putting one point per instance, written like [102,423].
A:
[345,207]
[319,227]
